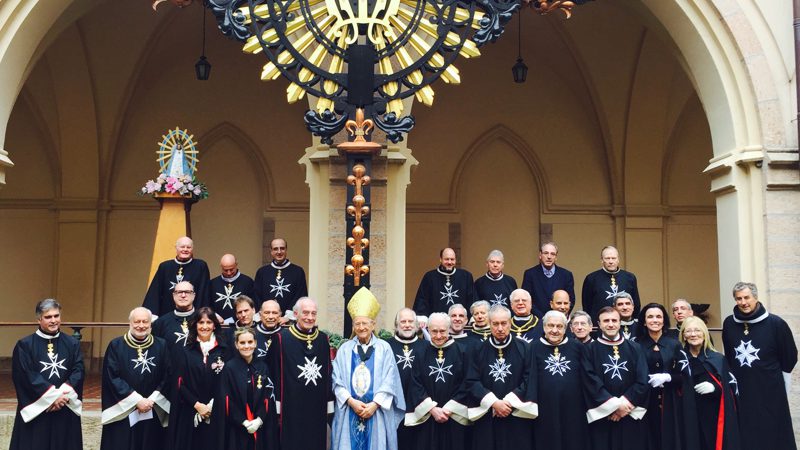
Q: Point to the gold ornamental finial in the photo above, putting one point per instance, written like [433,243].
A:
[358,209]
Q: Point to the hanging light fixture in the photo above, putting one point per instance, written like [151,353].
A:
[520,70]
[202,67]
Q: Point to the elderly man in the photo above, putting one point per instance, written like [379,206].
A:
[580,323]
[479,331]
[227,287]
[681,310]
[601,287]
[267,330]
[280,280]
[304,368]
[616,388]
[495,286]
[437,397]
[406,347]
[761,352]
[443,287]
[628,323]
[366,383]
[499,387]
[185,267]
[562,407]
[524,324]
[560,302]
[135,367]
[47,371]
[546,277]
[458,321]
[173,326]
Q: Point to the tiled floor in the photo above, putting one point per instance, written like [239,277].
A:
[8,399]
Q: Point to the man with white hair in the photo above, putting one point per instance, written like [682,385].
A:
[458,320]
[500,392]
[135,368]
[524,324]
[305,396]
[495,286]
[184,267]
[479,331]
[437,396]
[558,361]
[406,347]
[47,371]
[681,310]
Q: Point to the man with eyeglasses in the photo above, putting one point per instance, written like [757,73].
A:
[558,366]
[184,267]
[761,353]
[173,326]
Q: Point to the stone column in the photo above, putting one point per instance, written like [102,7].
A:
[326,172]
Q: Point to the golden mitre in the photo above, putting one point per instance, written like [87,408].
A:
[363,304]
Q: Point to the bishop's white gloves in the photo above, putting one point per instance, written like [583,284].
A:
[704,388]
[658,379]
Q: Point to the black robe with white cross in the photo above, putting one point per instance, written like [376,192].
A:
[616,369]
[495,290]
[158,298]
[42,368]
[173,327]
[439,290]
[129,376]
[438,381]
[760,349]
[502,371]
[630,329]
[708,418]
[305,393]
[528,328]
[284,283]
[247,393]
[561,424]
[406,351]
[224,293]
[476,337]
[600,287]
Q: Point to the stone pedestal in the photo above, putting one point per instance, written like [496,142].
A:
[173,223]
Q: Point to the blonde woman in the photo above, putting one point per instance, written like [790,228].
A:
[708,392]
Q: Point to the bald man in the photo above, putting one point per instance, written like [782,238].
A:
[184,267]
[228,286]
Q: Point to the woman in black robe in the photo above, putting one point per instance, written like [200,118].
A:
[248,399]
[661,352]
[708,392]
[195,420]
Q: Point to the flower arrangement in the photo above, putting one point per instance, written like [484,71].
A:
[181,185]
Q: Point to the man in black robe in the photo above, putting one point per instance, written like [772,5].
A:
[616,388]
[500,384]
[524,324]
[244,318]
[135,367]
[561,424]
[479,331]
[47,371]
[267,333]
[495,286]
[304,398]
[438,413]
[458,321]
[406,347]
[171,272]
[761,352]
[602,286]
[628,324]
[547,277]
[173,326]
[280,280]
[228,286]
[443,287]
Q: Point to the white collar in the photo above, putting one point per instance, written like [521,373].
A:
[263,330]
[447,274]
[184,313]
[497,345]
[616,341]
[546,342]
[285,264]
[182,263]
[44,335]
[493,278]
[233,278]
[405,341]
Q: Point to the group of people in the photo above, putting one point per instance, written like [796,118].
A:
[481,365]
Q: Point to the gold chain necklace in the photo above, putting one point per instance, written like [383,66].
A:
[148,341]
[304,337]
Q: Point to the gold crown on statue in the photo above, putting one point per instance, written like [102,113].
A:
[363,304]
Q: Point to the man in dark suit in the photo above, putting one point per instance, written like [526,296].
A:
[545,278]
